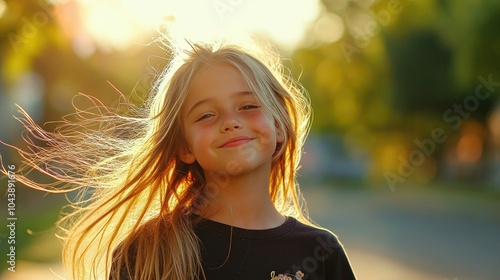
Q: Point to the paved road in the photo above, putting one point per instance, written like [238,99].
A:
[413,233]
[409,234]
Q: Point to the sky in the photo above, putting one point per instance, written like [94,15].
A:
[116,25]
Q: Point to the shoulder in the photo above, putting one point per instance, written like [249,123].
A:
[329,249]
[325,244]
[319,242]
[313,232]
[321,248]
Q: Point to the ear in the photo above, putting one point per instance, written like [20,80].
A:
[187,156]
[280,135]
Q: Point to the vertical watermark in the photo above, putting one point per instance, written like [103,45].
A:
[11,217]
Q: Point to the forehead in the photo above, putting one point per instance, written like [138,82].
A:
[215,80]
[217,75]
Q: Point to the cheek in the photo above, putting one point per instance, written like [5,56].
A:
[266,130]
[268,135]
[201,137]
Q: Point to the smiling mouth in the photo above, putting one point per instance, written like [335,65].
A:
[236,142]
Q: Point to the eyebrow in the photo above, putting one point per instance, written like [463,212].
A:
[238,93]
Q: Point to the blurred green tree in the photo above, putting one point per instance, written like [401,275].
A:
[399,68]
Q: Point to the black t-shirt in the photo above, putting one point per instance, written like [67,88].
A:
[292,249]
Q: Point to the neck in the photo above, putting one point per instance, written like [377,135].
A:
[243,201]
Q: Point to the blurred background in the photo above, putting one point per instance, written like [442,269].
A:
[403,160]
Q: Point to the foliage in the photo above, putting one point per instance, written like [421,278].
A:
[387,82]
[398,70]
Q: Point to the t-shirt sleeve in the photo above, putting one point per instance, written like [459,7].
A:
[338,266]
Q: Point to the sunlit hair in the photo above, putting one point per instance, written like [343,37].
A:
[136,195]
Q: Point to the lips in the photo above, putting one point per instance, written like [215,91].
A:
[237,141]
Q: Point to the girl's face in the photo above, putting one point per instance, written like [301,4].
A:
[226,130]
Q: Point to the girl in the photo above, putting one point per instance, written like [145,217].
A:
[201,184]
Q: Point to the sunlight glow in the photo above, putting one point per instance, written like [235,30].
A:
[3,7]
[118,24]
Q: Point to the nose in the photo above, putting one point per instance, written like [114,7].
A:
[230,124]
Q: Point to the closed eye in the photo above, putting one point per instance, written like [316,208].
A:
[249,107]
[204,116]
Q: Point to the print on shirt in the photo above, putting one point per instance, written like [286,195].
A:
[298,276]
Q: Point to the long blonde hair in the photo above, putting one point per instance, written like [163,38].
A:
[135,192]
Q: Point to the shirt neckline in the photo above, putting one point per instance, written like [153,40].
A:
[225,229]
